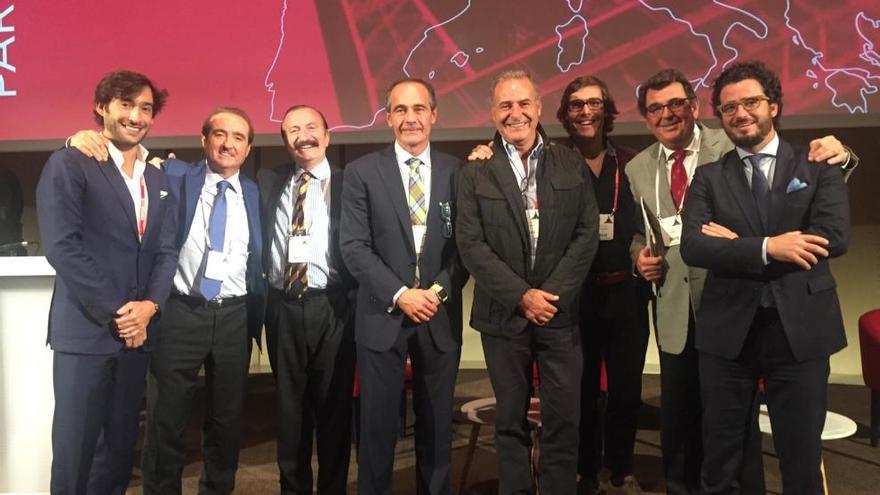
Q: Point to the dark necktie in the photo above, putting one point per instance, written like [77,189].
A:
[297,273]
[760,189]
[209,287]
[678,178]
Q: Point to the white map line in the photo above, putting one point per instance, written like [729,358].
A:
[561,50]
[857,72]
[270,86]
[431,28]
[869,53]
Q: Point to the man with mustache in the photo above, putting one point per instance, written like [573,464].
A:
[398,207]
[214,311]
[309,313]
[659,176]
[108,230]
[769,308]
[527,231]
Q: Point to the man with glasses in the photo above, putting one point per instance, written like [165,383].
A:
[769,308]
[527,232]
[659,178]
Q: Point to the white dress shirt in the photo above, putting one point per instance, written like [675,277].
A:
[316,220]
[193,254]
[133,183]
[691,159]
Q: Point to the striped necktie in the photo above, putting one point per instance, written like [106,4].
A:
[297,273]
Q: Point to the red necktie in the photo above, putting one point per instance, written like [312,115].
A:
[678,178]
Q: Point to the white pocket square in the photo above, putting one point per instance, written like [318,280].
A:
[162,194]
[795,185]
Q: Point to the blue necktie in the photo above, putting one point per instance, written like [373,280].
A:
[760,189]
[209,287]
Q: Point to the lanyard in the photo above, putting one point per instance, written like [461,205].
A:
[616,184]
[657,190]
[142,220]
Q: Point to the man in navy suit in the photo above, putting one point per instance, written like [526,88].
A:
[397,240]
[216,307]
[769,305]
[108,230]
[309,331]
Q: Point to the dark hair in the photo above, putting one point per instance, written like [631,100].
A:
[125,84]
[659,81]
[432,97]
[302,107]
[206,125]
[610,108]
[741,71]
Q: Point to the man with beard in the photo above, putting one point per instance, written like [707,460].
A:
[309,330]
[527,231]
[108,230]
[397,240]
[215,310]
[614,317]
[769,307]
[659,177]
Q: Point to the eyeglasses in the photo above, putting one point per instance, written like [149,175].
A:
[575,106]
[749,104]
[446,217]
[674,105]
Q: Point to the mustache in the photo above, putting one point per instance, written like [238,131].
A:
[305,142]
[741,121]
[410,127]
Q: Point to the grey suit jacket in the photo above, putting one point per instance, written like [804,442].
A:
[682,285]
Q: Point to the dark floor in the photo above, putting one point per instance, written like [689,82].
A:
[852,466]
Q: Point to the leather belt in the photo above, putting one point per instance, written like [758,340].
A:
[308,294]
[610,278]
[200,302]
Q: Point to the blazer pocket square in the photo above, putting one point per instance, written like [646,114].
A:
[162,194]
[795,185]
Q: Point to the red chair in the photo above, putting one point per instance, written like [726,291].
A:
[869,340]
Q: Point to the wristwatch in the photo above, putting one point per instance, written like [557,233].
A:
[440,291]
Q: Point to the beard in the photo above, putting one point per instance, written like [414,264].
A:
[749,141]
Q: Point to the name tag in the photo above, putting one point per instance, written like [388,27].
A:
[534,219]
[670,228]
[606,226]
[419,232]
[298,248]
[216,268]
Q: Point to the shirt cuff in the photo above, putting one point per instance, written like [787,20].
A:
[764,251]
[395,298]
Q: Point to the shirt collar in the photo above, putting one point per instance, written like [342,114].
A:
[770,149]
[536,151]
[402,155]
[118,159]
[212,178]
[693,147]
[321,171]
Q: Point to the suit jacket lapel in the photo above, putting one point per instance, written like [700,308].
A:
[117,183]
[389,173]
[439,194]
[545,175]
[154,188]
[194,182]
[782,175]
[499,165]
[252,208]
[736,180]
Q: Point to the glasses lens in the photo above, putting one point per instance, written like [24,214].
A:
[728,108]
[676,103]
[655,108]
[576,105]
[751,103]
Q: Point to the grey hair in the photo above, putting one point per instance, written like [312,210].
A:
[511,74]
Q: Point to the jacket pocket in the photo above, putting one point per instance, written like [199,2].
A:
[818,284]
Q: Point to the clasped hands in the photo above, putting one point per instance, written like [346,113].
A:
[537,306]
[132,320]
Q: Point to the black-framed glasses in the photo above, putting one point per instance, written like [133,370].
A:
[749,104]
[674,105]
[594,104]
[446,217]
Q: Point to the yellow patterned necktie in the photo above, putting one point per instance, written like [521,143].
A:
[297,273]
[418,211]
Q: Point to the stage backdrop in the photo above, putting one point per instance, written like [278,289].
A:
[339,55]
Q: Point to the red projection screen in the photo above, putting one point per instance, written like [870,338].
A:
[339,55]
